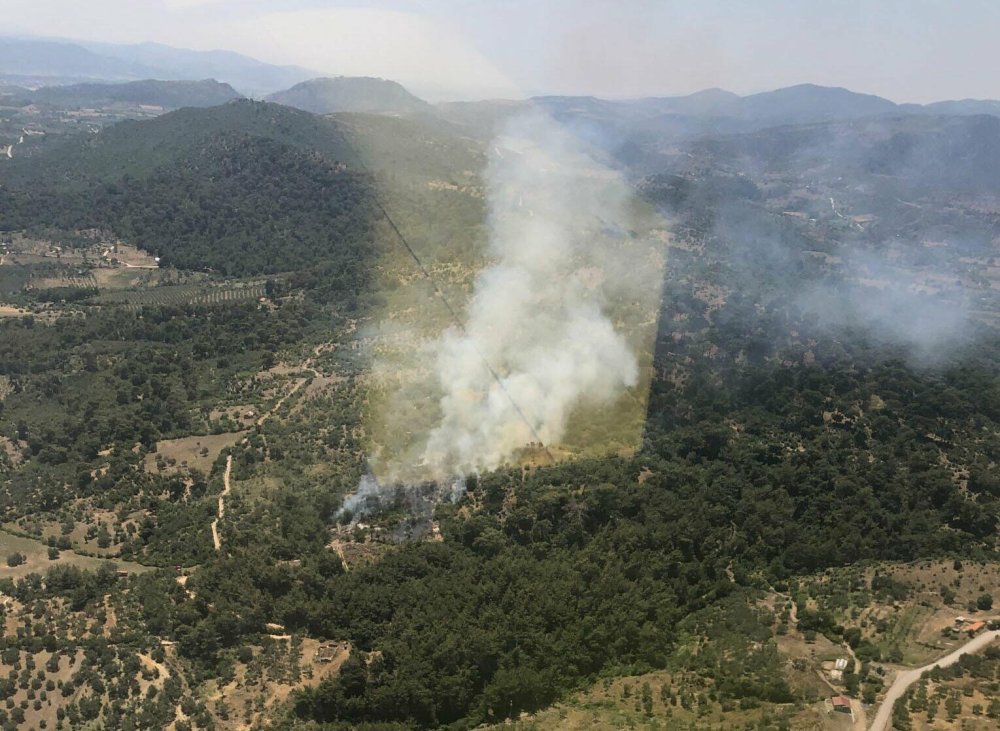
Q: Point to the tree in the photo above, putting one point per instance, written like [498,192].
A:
[993,709]
[647,699]
[984,602]
[16,559]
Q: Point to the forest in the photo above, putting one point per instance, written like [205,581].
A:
[775,446]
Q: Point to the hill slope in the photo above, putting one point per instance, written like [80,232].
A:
[243,188]
[138,147]
[171,94]
[350,94]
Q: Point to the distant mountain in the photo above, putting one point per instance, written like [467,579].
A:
[632,129]
[170,94]
[964,106]
[916,153]
[35,60]
[23,57]
[706,103]
[246,74]
[810,103]
[793,105]
[350,94]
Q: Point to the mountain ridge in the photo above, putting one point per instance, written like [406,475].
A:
[38,59]
[326,95]
[169,94]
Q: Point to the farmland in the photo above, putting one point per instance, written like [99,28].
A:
[184,294]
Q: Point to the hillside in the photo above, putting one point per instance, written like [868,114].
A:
[823,408]
[204,189]
[350,94]
[138,147]
[168,94]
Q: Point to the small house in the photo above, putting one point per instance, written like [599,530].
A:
[974,628]
[841,703]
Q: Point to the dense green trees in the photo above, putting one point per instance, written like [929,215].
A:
[240,206]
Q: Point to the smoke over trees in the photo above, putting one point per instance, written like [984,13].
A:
[555,339]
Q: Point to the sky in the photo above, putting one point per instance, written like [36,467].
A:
[906,50]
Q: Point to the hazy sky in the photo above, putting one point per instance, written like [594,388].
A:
[907,50]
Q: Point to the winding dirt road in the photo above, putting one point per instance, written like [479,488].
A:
[222,503]
[883,719]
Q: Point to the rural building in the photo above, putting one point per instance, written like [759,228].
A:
[841,663]
[975,627]
[328,653]
[841,703]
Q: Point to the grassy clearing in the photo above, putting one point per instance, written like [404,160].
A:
[36,553]
[195,452]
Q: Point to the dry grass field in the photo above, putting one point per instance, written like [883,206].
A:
[196,452]
[37,560]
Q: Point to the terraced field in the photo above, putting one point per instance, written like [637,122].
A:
[183,294]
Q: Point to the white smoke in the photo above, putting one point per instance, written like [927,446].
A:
[538,340]
[368,495]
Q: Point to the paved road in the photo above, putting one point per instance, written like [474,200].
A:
[905,679]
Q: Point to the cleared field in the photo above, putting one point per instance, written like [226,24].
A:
[12,311]
[75,281]
[197,452]
[38,561]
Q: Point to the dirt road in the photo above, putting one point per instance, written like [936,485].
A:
[267,415]
[229,461]
[222,503]
[883,719]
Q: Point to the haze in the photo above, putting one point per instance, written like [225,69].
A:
[906,50]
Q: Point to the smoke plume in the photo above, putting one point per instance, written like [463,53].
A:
[555,339]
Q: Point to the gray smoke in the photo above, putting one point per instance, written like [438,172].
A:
[541,315]
[926,314]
